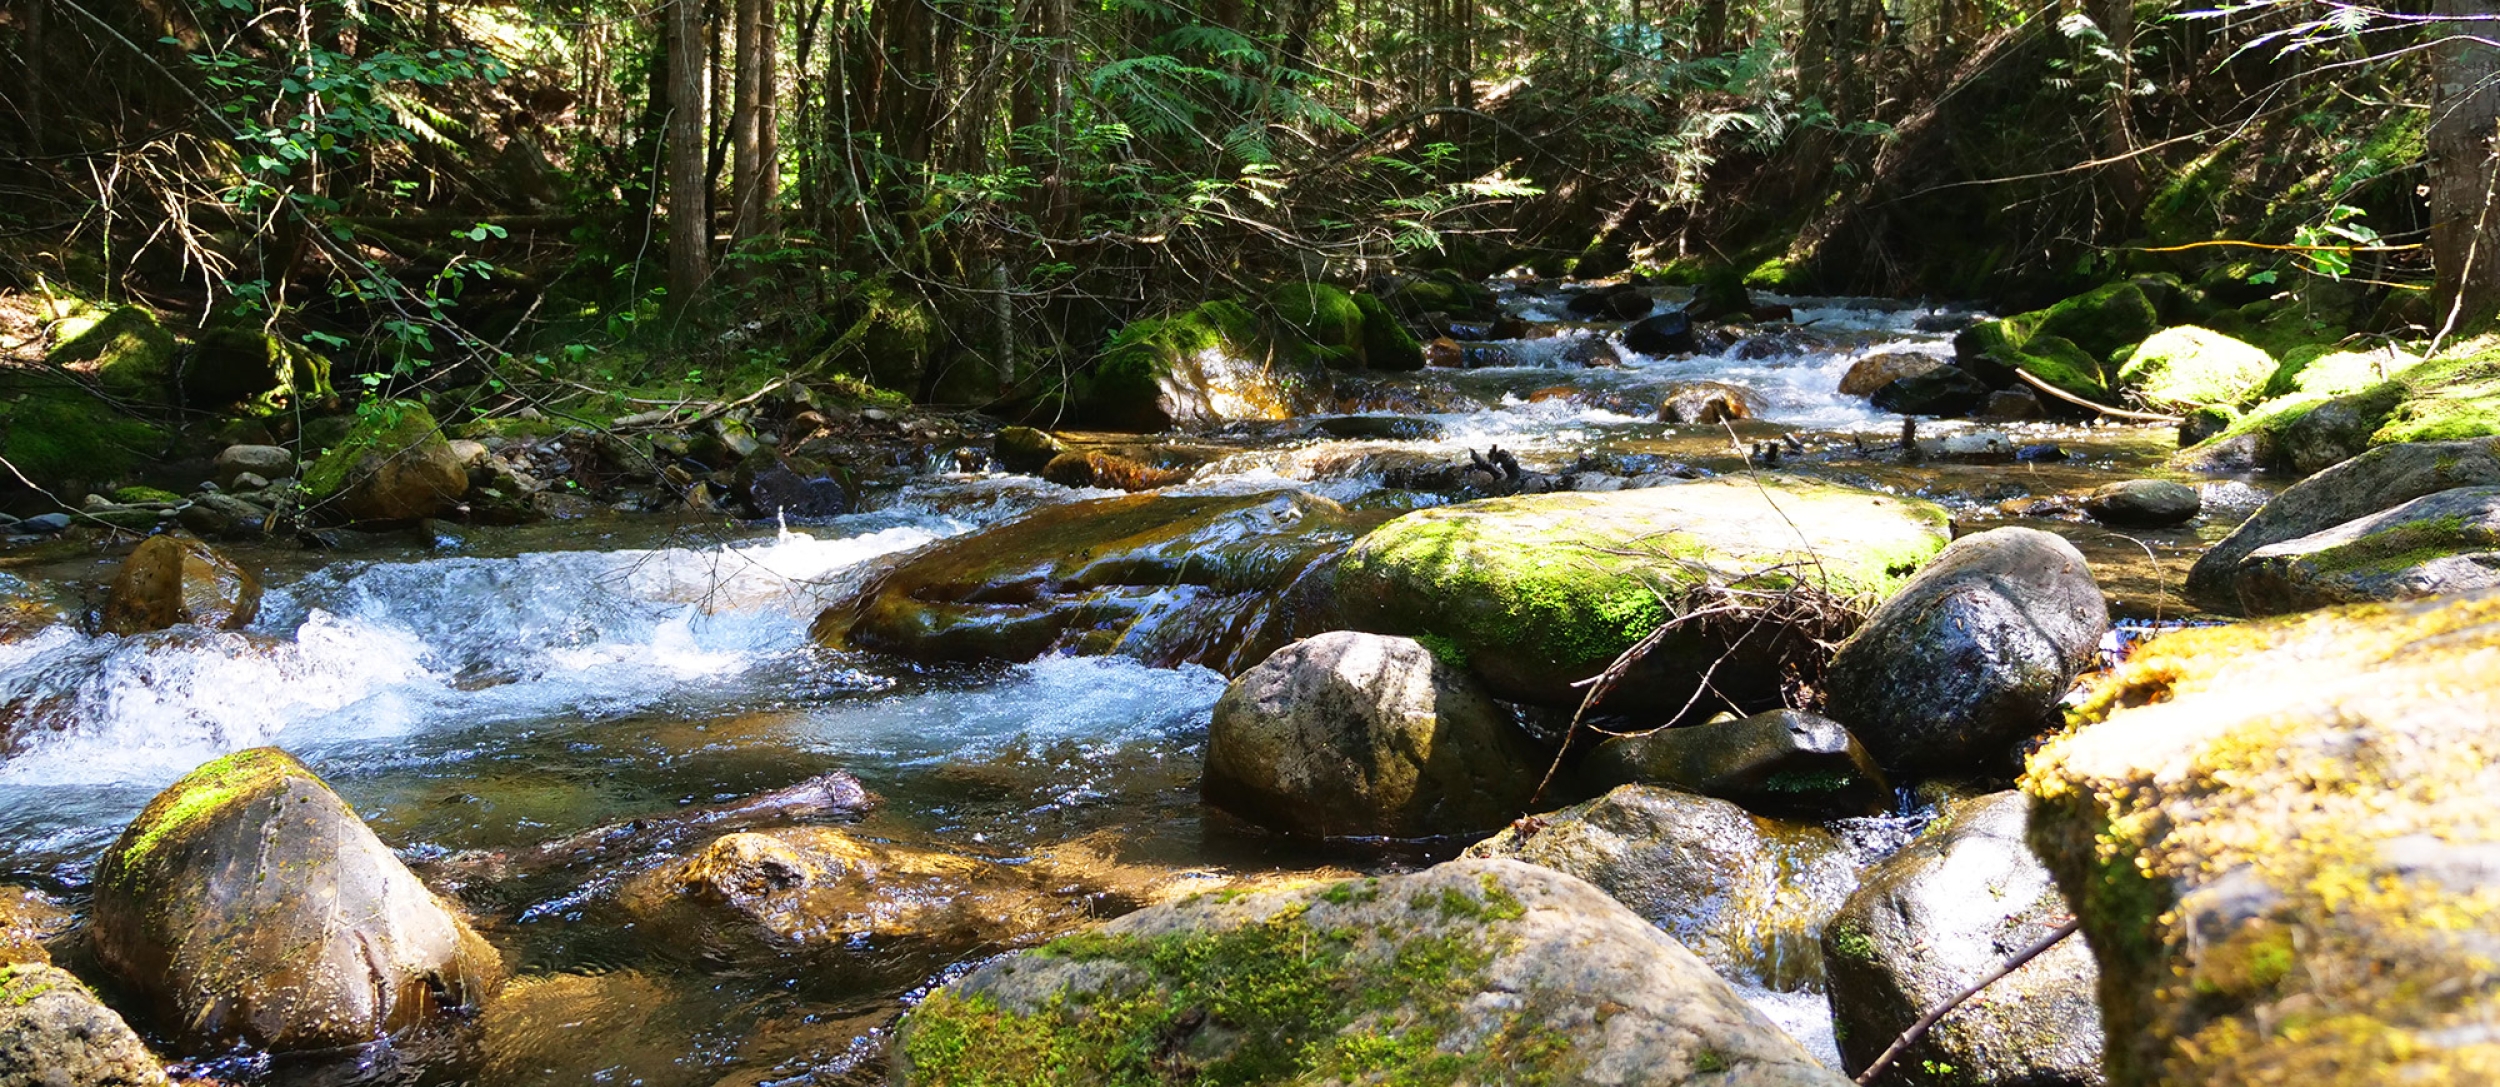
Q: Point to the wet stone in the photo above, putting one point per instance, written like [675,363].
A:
[2144,503]
[1785,763]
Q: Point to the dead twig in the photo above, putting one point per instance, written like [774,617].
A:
[1928,1021]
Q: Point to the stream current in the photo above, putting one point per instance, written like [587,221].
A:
[513,686]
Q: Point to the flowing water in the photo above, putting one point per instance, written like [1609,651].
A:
[517,685]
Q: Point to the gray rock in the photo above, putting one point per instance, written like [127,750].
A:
[1972,656]
[1945,390]
[1533,976]
[1977,447]
[2437,544]
[1784,762]
[45,522]
[214,514]
[2380,479]
[55,1033]
[265,461]
[248,904]
[2144,503]
[1748,895]
[2011,406]
[2331,433]
[1937,917]
[1350,734]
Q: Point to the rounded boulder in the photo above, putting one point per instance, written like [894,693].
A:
[171,580]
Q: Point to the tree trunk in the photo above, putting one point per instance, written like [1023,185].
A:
[689,231]
[2465,111]
[745,135]
[2124,174]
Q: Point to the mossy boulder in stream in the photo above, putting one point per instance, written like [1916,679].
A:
[2279,838]
[1167,580]
[2378,480]
[393,465]
[2439,543]
[1470,972]
[1322,322]
[55,1033]
[1536,593]
[2453,397]
[1387,345]
[2184,368]
[1934,919]
[169,580]
[246,365]
[130,354]
[2074,345]
[1214,363]
[248,904]
[1360,735]
[1748,895]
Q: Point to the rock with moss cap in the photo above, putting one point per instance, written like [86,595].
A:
[129,353]
[2073,345]
[228,366]
[1387,345]
[1972,657]
[1163,579]
[1361,735]
[1784,762]
[1322,323]
[1025,449]
[393,465]
[248,904]
[1536,593]
[1211,364]
[1936,918]
[2380,479]
[55,1033]
[1472,971]
[2279,839]
[169,580]
[1747,894]
[2439,543]
[2186,367]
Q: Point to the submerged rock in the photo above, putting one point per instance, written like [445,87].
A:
[1933,920]
[2380,479]
[171,580]
[1785,762]
[1167,580]
[1972,656]
[2144,503]
[55,1033]
[1748,895]
[1479,971]
[2279,839]
[249,904]
[827,887]
[1360,735]
[2439,543]
[394,465]
[1108,471]
[1539,592]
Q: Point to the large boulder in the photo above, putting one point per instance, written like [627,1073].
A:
[230,365]
[2380,479]
[2439,543]
[1360,735]
[2184,368]
[1215,363]
[1748,895]
[1873,372]
[825,887]
[1320,322]
[1706,402]
[1783,762]
[170,580]
[1971,658]
[393,465]
[1668,333]
[55,1033]
[1935,919]
[130,354]
[1537,593]
[248,904]
[265,461]
[2073,345]
[1470,972]
[2279,839]
[1025,449]
[1387,345]
[1940,390]
[1167,580]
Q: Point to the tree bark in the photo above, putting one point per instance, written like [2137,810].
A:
[2465,112]
[2124,174]
[745,134]
[689,228]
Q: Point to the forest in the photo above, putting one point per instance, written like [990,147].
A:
[727,543]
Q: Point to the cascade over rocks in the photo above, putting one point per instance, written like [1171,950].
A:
[1934,919]
[171,580]
[1748,895]
[249,904]
[1531,974]
[1361,735]
[1784,762]
[2437,544]
[1971,657]
[1538,592]
[2278,838]
[2380,479]
[55,1033]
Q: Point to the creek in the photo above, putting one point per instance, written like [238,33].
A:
[511,686]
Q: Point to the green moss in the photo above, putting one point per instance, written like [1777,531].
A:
[2455,396]
[1124,384]
[2062,363]
[1444,650]
[201,793]
[2189,367]
[135,494]
[130,353]
[1851,942]
[57,434]
[2100,321]
[1777,275]
[1323,323]
[1387,345]
[384,430]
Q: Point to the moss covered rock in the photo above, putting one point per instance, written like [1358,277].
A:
[1167,580]
[169,580]
[59,436]
[2439,543]
[248,904]
[394,465]
[1214,363]
[2186,367]
[2073,345]
[1784,763]
[1025,449]
[55,1033]
[1323,322]
[1749,895]
[129,353]
[2454,396]
[1935,919]
[1387,345]
[2378,480]
[1471,972]
[1538,592]
[234,365]
[2277,836]
[1360,735]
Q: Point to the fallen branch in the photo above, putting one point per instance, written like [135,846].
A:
[1926,1022]
[2116,413]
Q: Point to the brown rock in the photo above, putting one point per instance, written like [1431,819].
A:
[172,580]
[1876,371]
[1706,402]
[1105,470]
